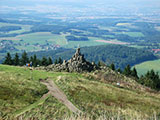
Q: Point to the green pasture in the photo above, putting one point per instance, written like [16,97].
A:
[25,28]
[40,37]
[29,48]
[92,42]
[132,34]
[145,66]
[124,24]
[136,46]
[111,36]
[157,28]
[128,25]
[107,28]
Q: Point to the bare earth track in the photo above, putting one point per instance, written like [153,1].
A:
[58,94]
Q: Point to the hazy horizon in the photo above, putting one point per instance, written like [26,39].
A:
[77,6]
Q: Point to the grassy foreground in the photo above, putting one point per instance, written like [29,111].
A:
[95,94]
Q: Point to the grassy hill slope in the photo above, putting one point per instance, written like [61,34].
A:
[95,94]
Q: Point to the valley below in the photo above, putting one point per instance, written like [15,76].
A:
[79,60]
[41,36]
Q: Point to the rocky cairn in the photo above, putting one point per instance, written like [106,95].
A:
[76,64]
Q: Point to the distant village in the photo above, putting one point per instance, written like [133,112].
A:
[156,51]
[8,45]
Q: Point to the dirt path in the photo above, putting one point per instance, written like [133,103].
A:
[58,94]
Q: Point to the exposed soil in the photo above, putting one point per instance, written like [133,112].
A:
[58,94]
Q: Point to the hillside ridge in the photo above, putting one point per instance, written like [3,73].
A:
[117,54]
[94,93]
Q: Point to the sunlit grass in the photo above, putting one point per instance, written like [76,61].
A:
[21,92]
[145,66]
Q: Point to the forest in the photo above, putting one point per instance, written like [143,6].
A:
[9,28]
[117,54]
[150,79]
[51,36]
[73,38]
[124,30]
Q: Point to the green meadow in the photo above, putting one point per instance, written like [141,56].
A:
[91,42]
[25,28]
[21,92]
[42,37]
[145,66]
[132,34]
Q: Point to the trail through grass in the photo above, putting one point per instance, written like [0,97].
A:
[21,93]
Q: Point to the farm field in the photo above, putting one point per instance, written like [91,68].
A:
[109,28]
[25,28]
[157,28]
[92,42]
[42,37]
[50,36]
[131,34]
[128,25]
[112,42]
[34,41]
[145,66]
[123,24]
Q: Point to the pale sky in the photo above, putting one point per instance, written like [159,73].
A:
[50,4]
[80,1]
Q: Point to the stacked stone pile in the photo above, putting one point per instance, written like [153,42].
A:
[76,64]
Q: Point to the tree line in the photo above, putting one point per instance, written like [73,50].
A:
[9,28]
[127,71]
[17,61]
[117,54]
[150,79]
[73,38]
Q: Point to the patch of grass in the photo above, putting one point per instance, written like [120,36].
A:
[39,37]
[111,36]
[20,92]
[157,28]
[145,66]
[59,39]
[132,34]
[127,25]
[30,107]
[29,48]
[107,28]
[124,24]
[8,24]
[25,28]
[136,46]
[91,42]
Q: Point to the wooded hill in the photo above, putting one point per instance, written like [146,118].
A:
[117,54]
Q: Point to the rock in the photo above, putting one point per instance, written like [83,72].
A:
[76,64]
